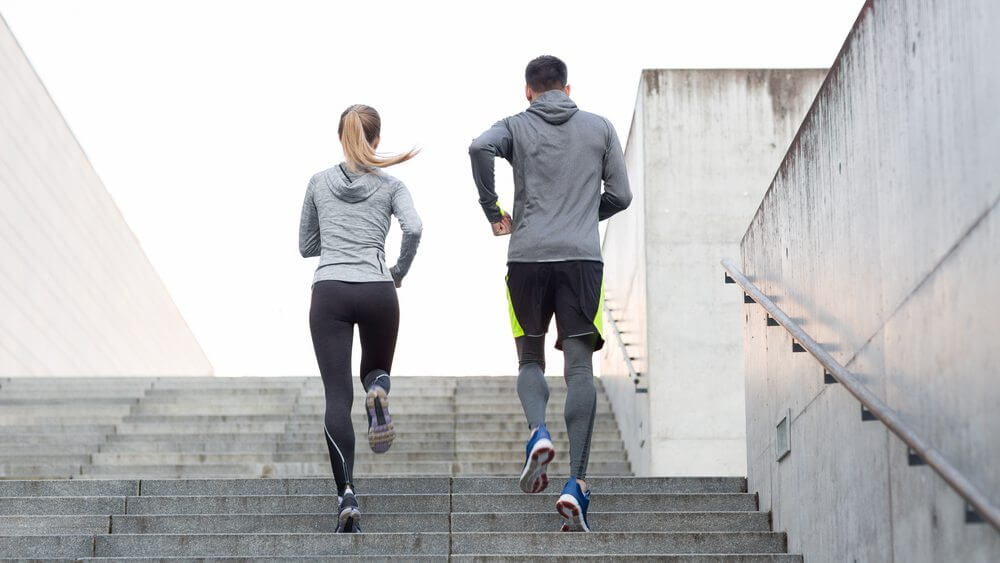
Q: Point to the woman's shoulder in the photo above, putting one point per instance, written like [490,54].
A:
[389,180]
[319,176]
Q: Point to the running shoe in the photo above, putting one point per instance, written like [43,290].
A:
[572,506]
[380,431]
[349,520]
[537,455]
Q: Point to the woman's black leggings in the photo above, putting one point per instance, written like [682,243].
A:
[336,307]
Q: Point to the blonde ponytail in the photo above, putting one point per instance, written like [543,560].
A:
[359,127]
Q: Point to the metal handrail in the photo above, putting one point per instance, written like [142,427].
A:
[879,409]
[621,344]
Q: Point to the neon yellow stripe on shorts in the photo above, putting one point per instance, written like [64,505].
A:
[515,325]
[599,317]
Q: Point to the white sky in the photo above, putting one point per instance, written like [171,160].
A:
[205,119]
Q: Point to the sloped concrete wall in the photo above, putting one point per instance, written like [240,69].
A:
[77,294]
[881,235]
[703,147]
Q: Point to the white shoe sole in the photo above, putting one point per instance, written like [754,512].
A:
[569,509]
[349,517]
[534,478]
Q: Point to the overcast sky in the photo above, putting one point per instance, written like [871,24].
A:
[206,119]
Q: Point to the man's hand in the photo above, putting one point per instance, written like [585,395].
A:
[502,227]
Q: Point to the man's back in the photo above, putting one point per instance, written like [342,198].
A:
[560,157]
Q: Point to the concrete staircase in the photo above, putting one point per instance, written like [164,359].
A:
[171,467]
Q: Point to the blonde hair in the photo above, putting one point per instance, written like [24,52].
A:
[359,128]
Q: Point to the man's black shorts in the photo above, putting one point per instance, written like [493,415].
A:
[573,291]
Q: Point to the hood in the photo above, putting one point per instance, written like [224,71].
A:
[554,107]
[350,186]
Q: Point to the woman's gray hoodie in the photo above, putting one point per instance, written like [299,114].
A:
[345,219]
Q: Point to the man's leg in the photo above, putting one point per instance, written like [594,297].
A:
[531,386]
[530,314]
[581,402]
[578,302]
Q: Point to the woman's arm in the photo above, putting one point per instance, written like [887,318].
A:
[409,222]
[309,240]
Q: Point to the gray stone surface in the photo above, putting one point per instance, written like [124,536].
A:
[261,487]
[46,547]
[703,145]
[615,521]
[283,504]
[607,485]
[75,488]
[326,522]
[212,545]
[590,558]
[880,234]
[286,516]
[604,542]
[61,505]
[625,502]
[54,525]
[78,296]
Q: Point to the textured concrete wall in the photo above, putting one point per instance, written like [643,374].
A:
[881,235]
[77,294]
[624,253]
[709,142]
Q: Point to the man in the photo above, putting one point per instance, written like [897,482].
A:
[560,156]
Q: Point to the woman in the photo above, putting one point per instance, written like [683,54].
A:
[345,218]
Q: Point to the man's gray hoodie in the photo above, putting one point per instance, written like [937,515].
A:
[560,155]
[345,219]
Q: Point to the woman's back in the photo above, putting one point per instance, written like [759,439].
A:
[345,219]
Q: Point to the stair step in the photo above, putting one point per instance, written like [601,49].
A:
[183,469]
[610,542]
[322,469]
[276,523]
[616,521]
[216,545]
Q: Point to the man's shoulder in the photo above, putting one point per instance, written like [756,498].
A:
[594,118]
[581,116]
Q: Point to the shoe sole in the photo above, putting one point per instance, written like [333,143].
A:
[534,478]
[569,509]
[349,519]
[380,428]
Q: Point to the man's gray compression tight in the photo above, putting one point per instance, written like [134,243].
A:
[581,397]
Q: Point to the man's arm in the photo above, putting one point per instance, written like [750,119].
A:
[617,196]
[309,239]
[496,141]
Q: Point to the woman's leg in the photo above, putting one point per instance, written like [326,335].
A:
[333,336]
[378,325]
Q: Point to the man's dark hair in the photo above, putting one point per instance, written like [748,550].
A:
[546,73]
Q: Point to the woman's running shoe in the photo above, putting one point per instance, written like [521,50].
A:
[349,519]
[380,431]
[572,506]
[537,455]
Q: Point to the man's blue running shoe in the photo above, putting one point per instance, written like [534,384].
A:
[572,506]
[537,455]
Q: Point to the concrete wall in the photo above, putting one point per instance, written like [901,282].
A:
[881,235]
[703,146]
[624,251]
[77,294]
